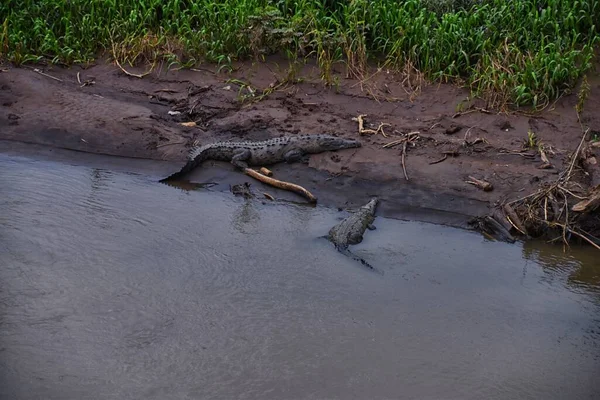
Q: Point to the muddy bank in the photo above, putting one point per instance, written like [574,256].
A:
[101,110]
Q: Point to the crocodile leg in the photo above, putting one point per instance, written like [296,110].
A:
[239,158]
[355,238]
[293,155]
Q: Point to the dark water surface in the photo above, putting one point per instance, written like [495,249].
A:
[113,286]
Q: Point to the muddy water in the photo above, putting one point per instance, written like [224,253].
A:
[115,287]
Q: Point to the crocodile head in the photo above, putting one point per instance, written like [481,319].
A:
[334,143]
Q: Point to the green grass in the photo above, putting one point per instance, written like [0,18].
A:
[510,52]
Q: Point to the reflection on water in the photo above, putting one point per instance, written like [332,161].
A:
[245,217]
[113,286]
[581,264]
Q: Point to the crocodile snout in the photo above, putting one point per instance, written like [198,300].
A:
[339,143]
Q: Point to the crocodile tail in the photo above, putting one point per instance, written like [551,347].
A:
[195,159]
[348,253]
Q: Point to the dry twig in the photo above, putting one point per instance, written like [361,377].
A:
[131,73]
[474,109]
[403,160]
[410,137]
[47,75]
[542,210]
[268,196]
[483,185]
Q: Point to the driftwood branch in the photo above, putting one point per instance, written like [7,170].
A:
[280,184]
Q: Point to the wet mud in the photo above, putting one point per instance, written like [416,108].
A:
[100,109]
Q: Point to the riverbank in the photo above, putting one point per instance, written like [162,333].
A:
[102,109]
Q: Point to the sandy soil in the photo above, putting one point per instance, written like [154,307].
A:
[126,116]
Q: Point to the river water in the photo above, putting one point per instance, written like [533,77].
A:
[113,286]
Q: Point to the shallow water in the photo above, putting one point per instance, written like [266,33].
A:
[113,286]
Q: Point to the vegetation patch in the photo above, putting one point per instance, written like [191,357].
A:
[508,52]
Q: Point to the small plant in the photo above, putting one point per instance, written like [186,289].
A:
[463,105]
[245,92]
[532,141]
[294,66]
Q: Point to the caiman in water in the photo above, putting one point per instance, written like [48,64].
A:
[351,229]
[243,154]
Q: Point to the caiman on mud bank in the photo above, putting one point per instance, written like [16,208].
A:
[351,229]
[272,151]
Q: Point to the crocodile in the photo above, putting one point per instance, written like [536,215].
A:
[242,154]
[350,231]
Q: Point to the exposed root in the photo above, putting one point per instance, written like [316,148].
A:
[362,130]
[440,160]
[280,184]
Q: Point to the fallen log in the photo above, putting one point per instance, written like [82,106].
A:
[280,184]
[490,226]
